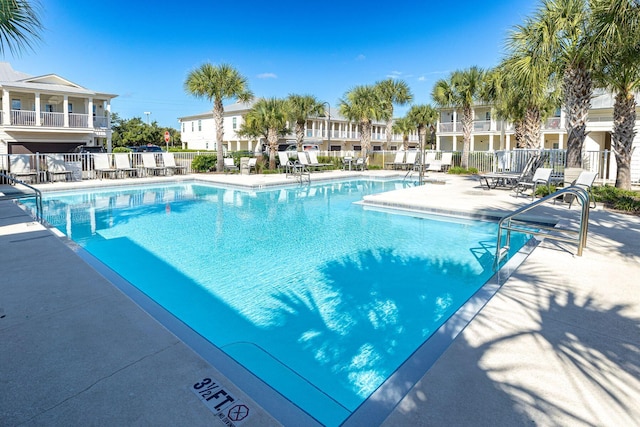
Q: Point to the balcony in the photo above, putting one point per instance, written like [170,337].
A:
[481,125]
[54,120]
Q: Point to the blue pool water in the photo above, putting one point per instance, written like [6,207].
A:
[318,297]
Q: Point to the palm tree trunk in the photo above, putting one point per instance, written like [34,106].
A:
[218,117]
[624,119]
[532,125]
[272,139]
[467,126]
[518,133]
[365,139]
[299,135]
[577,86]
[389,133]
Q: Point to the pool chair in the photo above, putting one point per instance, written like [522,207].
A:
[411,160]
[169,162]
[585,181]
[360,164]
[20,168]
[304,162]
[123,165]
[398,161]
[542,176]
[313,160]
[509,179]
[57,168]
[285,163]
[229,165]
[252,165]
[149,164]
[102,165]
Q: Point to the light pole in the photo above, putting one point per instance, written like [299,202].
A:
[148,113]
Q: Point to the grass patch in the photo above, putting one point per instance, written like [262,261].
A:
[459,170]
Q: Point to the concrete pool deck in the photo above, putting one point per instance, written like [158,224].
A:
[559,344]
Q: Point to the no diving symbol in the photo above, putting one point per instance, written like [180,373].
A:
[238,413]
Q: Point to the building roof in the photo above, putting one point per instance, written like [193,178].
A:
[12,79]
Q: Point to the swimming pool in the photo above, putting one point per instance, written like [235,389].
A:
[319,298]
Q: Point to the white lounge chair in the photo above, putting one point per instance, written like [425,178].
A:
[313,160]
[123,165]
[20,168]
[150,166]
[285,162]
[252,165]
[229,165]
[542,176]
[304,160]
[411,160]
[585,181]
[398,161]
[57,168]
[170,163]
[102,165]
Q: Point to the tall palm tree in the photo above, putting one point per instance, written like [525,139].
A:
[19,25]
[562,36]
[363,105]
[300,108]
[218,83]
[527,85]
[393,92]
[616,33]
[404,126]
[268,117]
[423,117]
[461,90]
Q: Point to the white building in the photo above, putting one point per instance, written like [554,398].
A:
[198,132]
[49,114]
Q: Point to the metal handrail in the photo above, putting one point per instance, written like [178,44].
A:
[511,223]
[20,195]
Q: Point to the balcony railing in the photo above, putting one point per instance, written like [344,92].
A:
[53,119]
[482,125]
[552,123]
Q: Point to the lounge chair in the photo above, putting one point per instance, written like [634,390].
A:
[57,168]
[149,164]
[252,165]
[313,160]
[446,161]
[304,161]
[102,165]
[509,179]
[542,176]
[584,180]
[398,161]
[170,163]
[411,160]
[346,162]
[123,165]
[20,168]
[285,162]
[431,164]
[359,164]
[229,165]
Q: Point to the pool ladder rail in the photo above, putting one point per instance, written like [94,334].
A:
[14,190]
[511,223]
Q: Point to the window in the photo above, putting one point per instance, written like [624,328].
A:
[487,116]
[199,125]
[377,148]
[335,148]
[48,108]
[206,147]
[235,123]
[191,126]
[16,104]
[70,107]
[357,148]
[182,127]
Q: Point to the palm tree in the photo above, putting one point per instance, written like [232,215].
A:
[217,83]
[404,126]
[462,90]
[423,118]
[393,92]
[362,104]
[562,37]
[19,25]
[300,108]
[616,31]
[268,118]
[526,87]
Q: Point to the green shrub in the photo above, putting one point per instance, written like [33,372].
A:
[204,163]
[459,170]
[618,199]
[121,150]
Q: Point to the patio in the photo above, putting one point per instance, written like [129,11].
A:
[559,343]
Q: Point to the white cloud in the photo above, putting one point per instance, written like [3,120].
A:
[267,76]
[360,57]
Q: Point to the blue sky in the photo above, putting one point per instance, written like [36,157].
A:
[143,51]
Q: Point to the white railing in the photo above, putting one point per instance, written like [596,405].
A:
[52,119]
[78,120]
[23,118]
[446,127]
[481,125]
[552,123]
[100,122]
